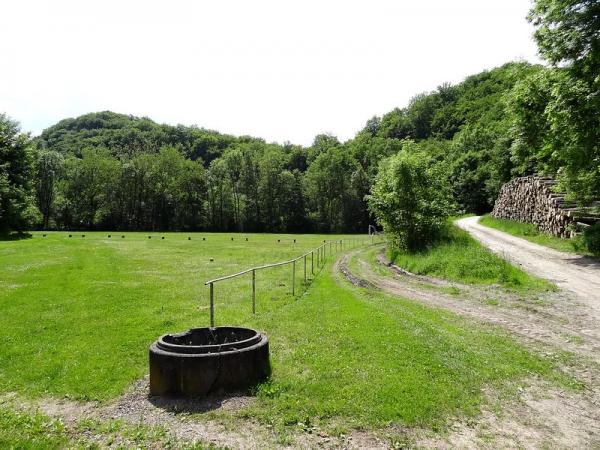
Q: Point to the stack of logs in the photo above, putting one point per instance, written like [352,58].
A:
[533,199]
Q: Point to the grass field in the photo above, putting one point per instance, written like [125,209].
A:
[79,313]
[533,234]
[75,308]
[459,257]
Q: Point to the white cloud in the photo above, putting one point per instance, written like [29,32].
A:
[278,70]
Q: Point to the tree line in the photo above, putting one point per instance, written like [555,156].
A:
[113,171]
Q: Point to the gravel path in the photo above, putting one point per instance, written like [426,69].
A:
[578,274]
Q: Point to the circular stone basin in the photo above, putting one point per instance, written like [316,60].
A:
[202,361]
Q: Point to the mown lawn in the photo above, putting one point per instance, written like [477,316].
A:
[459,257]
[533,234]
[79,314]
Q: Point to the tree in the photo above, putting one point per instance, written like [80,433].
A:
[49,166]
[556,112]
[218,196]
[89,187]
[17,205]
[190,196]
[411,199]
[271,188]
[568,33]
[234,161]
[328,190]
[321,143]
[294,214]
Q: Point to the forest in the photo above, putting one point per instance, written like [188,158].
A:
[113,171]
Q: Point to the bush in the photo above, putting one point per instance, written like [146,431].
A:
[591,237]
[411,198]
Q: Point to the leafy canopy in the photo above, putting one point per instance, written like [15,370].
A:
[411,198]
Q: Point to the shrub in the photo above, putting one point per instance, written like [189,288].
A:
[591,237]
[411,198]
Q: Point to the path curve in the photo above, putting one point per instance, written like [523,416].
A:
[541,415]
[575,273]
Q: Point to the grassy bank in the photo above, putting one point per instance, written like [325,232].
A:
[533,234]
[459,257]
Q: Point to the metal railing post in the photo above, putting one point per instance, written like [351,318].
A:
[312,262]
[294,277]
[304,269]
[253,291]
[212,306]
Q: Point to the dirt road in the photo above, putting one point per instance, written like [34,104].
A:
[577,274]
[549,323]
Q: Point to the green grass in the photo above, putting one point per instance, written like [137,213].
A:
[459,257]
[79,314]
[533,234]
[30,431]
[366,359]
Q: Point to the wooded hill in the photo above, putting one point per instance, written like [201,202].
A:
[113,171]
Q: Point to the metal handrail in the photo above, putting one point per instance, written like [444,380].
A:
[321,255]
[266,266]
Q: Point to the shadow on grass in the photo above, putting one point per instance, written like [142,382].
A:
[6,236]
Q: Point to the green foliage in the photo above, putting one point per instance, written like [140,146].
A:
[556,128]
[335,186]
[107,170]
[567,31]
[129,135]
[17,205]
[555,112]
[458,257]
[48,171]
[591,237]
[411,198]
[467,126]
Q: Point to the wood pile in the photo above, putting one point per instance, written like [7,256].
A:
[533,199]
